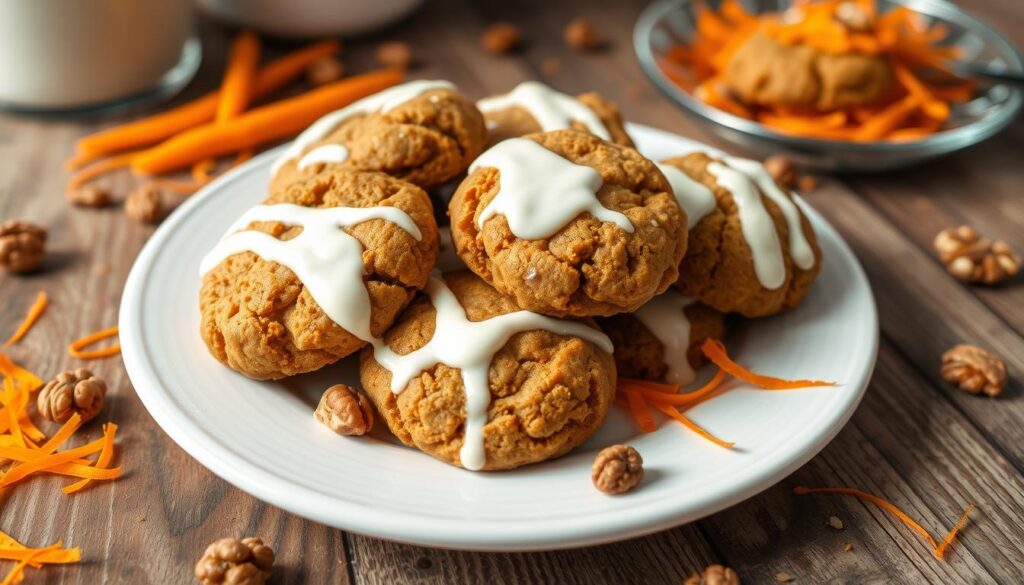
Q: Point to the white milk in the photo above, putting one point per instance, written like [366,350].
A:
[77,53]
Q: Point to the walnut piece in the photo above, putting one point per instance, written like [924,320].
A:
[229,561]
[394,54]
[325,70]
[971,258]
[854,17]
[581,34]
[345,410]
[617,469]
[974,370]
[145,204]
[21,245]
[783,171]
[714,575]
[88,196]
[501,38]
[70,392]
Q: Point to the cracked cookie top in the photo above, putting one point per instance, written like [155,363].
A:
[424,132]
[261,319]
[576,227]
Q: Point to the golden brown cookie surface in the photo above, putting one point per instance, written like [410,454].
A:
[549,392]
[763,71]
[718,269]
[517,121]
[427,140]
[259,318]
[589,267]
[640,354]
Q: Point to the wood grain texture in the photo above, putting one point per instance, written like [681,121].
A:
[915,440]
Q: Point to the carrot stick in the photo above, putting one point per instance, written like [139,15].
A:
[672,412]
[34,312]
[261,125]
[938,548]
[240,78]
[715,351]
[270,78]
[76,347]
[101,168]
[638,406]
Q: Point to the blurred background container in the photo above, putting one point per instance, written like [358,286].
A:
[309,18]
[67,55]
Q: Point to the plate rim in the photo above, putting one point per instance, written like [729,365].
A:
[434,531]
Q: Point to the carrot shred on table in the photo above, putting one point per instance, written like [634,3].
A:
[102,462]
[715,351]
[153,129]
[77,346]
[638,406]
[672,412]
[938,548]
[34,312]
[260,125]
[102,167]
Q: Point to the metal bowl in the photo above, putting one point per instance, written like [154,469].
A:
[667,23]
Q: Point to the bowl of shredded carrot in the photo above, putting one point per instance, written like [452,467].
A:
[843,85]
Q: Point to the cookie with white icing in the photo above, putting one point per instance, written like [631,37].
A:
[423,131]
[469,378]
[753,252]
[568,224]
[316,272]
[534,107]
[661,340]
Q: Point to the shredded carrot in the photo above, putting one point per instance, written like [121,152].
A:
[33,315]
[76,347]
[261,125]
[102,462]
[153,129]
[715,351]
[672,412]
[938,548]
[27,468]
[201,170]
[689,398]
[915,48]
[101,168]
[638,406]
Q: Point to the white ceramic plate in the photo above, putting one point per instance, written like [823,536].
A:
[262,438]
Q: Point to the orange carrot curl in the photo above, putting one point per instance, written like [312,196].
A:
[33,315]
[153,129]
[715,351]
[938,548]
[77,346]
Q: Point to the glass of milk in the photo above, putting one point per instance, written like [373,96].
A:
[81,55]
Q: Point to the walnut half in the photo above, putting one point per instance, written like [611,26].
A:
[345,410]
[230,561]
[21,245]
[974,370]
[714,575]
[971,258]
[70,392]
[617,469]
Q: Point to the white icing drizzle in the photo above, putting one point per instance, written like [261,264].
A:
[693,196]
[664,316]
[540,192]
[470,346]
[799,248]
[553,110]
[756,224]
[327,153]
[327,260]
[383,101]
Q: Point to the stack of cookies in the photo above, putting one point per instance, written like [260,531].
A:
[572,260]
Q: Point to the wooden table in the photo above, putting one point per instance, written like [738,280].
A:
[915,440]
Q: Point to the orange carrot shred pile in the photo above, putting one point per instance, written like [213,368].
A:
[923,85]
[76,349]
[639,395]
[11,549]
[34,312]
[938,548]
